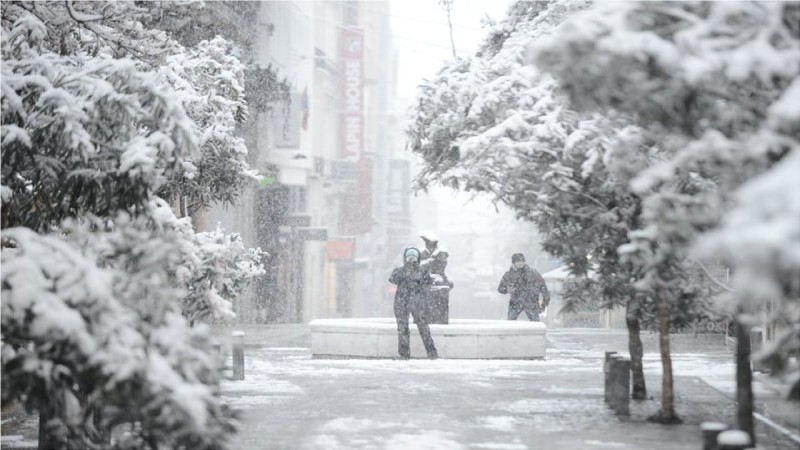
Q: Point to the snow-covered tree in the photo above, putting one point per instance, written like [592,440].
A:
[81,135]
[99,275]
[714,84]
[494,124]
[209,80]
[94,366]
[168,265]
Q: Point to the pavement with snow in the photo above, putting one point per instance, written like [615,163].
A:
[290,401]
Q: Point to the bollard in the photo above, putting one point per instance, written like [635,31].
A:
[710,432]
[733,440]
[620,384]
[606,375]
[237,339]
[756,342]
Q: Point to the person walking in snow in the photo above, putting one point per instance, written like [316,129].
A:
[438,298]
[524,284]
[413,282]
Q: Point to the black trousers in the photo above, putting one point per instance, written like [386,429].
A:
[531,310]
[402,309]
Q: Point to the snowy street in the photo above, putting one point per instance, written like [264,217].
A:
[309,224]
[292,401]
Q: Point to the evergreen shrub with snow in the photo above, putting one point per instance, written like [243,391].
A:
[104,124]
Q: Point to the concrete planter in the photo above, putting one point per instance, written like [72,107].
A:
[460,339]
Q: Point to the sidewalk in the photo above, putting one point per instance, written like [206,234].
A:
[290,401]
[556,403]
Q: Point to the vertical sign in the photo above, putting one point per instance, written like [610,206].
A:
[352,124]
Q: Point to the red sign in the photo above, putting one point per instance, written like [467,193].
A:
[351,49]
[340,249]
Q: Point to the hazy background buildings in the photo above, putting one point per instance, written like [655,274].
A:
[337,208]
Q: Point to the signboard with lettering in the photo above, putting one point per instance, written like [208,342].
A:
[352,56]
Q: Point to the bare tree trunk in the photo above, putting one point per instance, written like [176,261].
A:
[744,382]
[636,350]
[667,412]
[182,211]
[47,438]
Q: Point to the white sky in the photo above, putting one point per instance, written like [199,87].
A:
[422,37]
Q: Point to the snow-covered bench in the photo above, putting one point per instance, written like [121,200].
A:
[460,339]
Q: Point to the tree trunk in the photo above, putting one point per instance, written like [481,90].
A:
[48,439]
[182,206]
[667,412]
[636,350]
[744,382]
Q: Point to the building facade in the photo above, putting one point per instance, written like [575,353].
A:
[320,211]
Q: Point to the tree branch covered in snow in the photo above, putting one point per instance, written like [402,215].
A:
[90,352]
[82,135]
[716,85]
[98,308]
[495,124]
[209,81]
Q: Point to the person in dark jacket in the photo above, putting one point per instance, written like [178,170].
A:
[412,283]
[524,284]
[434,258]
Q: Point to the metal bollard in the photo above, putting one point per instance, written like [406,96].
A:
[620,384]
[756,342]
[733,440]
[237,340]
[606,374]
[710,432]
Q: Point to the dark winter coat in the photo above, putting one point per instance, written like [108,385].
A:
[412,283]
[527,284]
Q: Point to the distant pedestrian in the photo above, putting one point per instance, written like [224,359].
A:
[524,284]
[434,258]
[412,283]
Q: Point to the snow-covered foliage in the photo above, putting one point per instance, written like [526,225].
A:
[209,81]
[167,266]
[227,267]
[496,124]
[715,84]
[91,29]
[477,116]
[102,283]
[621,163]
[82,135]
[72,347]
[760,238]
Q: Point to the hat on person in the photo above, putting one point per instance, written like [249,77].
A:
[410,254]
[517,257]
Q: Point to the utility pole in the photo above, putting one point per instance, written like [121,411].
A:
[448,7]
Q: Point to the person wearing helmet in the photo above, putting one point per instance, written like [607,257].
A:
[438,298]
[412,283]
[524,284]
